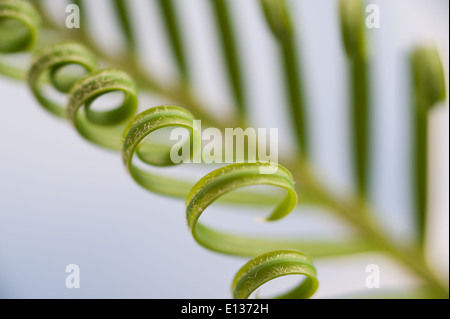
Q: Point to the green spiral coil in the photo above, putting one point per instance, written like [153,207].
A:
[19,26]
[46,65]
[122,130]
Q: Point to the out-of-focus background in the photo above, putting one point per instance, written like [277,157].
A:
[64,201]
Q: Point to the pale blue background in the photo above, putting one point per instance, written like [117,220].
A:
[63,200]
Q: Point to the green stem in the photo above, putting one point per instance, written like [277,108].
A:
[230,52]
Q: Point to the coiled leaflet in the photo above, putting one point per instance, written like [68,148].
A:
[102,128]
[19,25]
[45,66]
[274,264]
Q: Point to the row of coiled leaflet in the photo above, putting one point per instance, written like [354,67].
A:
[122,129]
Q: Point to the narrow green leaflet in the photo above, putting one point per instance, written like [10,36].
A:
[173,29]
[274,264]
[278,18]
[428,76]
[280,23]
[428,88]
[225,27]
[354,39]
[351,14]
[122,11]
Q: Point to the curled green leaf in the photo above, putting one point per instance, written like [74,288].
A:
[138,129]
[278,18]
[274,264]
[224,180]
[262,268]
[352,27]
[46,66]
[158,154]
[19,26]
[19,30]
[103,128]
